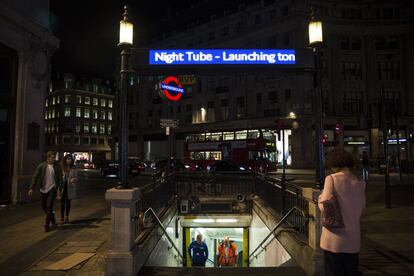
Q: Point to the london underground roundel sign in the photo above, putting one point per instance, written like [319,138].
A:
[171,88]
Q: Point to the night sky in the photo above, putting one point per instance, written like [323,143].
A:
[88,30]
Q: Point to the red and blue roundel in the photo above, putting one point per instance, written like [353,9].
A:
[171,88]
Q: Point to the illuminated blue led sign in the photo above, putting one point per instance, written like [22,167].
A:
[222,56]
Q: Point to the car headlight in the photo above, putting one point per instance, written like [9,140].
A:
[187,166]
[242,168]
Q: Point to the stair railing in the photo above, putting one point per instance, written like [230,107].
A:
[164,231]
[260,246]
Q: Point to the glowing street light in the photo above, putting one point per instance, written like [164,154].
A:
[126,34]
[315,41]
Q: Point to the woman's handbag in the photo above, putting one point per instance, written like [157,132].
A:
[331,216]
[72,181]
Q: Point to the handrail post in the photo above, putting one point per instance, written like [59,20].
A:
[314,228]
[122,258]
[164,231]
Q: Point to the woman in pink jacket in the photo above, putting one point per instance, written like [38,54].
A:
[342,245]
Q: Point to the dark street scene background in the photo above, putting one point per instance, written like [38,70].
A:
[205,124]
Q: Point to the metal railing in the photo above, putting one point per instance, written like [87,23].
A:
[282,220]
[270,190]
[163,230]
[182,185]
[157,195]
[214,184]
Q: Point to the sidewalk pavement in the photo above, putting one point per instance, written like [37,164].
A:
[27,250]
[387,234]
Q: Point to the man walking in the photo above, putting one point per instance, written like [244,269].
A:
[48,177]
[198,252]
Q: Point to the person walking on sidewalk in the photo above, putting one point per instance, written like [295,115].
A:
[48,177]
[342,245]
[70,177]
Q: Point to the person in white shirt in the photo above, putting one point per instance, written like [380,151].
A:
[48,177]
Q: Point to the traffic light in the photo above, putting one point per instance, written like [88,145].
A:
[338,128]
[325,139]
[337,132]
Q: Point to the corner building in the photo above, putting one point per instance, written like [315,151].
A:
[367,49]
[26,47]
[80,118]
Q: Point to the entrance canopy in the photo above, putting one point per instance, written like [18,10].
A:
[221,61]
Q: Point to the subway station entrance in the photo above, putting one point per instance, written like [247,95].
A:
[214,228]
[249,208]
[245,207]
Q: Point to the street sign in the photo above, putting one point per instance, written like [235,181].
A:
[173,123]
[222,56]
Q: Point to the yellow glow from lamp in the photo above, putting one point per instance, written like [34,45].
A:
[126,32]
[315,32]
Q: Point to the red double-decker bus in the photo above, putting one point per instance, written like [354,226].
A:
[254,150]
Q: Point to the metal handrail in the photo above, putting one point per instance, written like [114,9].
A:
[163,229]
[303,213]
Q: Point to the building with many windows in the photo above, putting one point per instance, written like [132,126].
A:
[80,118]
[367,50]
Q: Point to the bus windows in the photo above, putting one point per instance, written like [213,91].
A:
[206,155]
[253,134]
[241,135]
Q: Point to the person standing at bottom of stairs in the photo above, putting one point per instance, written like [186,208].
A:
[198,252]
[227,253]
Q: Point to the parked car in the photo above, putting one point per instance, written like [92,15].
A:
[88,165]
[110,170]
[84,164]
[191,166]
[225,166]
[136,167]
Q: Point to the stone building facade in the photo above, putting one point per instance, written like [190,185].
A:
[80,118]
[26,47]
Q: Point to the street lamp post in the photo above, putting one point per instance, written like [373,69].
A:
[315,41]
[281,122]
[126,32]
